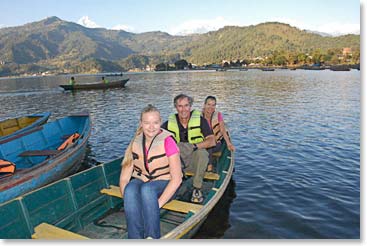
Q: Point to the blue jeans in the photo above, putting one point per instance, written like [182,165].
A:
[142,209]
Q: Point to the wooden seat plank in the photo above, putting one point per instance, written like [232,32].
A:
[47,231]
[182,207]
[217,154]
[174,205]
[208,175]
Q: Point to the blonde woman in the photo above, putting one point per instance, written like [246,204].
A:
[151,174]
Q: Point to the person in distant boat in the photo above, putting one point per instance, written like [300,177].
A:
[151,175]
[104,80]
[216,123]
[193,136]
[72,81]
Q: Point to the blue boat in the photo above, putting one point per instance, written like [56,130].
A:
[43,155]
[10,128]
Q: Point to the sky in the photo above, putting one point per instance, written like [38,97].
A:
[175,17]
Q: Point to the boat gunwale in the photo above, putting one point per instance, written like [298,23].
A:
[195,219]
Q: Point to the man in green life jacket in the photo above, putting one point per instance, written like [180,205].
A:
[72,81]
[193,136]
[105,80]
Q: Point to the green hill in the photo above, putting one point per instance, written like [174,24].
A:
[60,46]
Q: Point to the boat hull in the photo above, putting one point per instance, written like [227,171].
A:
[79,205]
[11,128]
[35,171]
[96,86]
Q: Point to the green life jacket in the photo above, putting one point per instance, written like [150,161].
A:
[194,132]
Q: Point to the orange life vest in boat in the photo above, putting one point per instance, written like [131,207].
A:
[69,141]
[157,167]
[6,167]
[215,126]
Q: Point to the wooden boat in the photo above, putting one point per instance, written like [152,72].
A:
[94,86]
[10,128]
[340,68]
[305,67]
[88,205]
[114,74]
[38,158]
[267,69]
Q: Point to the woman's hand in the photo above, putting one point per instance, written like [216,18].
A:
[231,147]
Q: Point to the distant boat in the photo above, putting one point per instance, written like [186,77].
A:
[97,85]
[114,74]
[340,68]
[10,128]
[313,67]
[44,155]
[88,205]
[267,69]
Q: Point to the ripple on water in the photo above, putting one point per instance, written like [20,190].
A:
[297,138]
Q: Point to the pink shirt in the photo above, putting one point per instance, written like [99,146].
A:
[220,117]
[170,146]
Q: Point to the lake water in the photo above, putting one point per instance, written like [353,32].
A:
[297,135]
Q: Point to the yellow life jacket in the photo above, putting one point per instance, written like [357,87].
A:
[6,167]
[158,165]
[69,141]
[194,131]
[215,126]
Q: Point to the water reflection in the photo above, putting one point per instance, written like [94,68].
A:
[217,221]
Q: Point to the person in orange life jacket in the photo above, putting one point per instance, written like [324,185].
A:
[216,123]
[151,175]
[193,136]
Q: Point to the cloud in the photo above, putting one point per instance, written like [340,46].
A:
[332,28]
[85,21]
[206,25]
[124,28]
[201,26]
[336,29]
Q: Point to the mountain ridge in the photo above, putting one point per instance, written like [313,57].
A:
[70,47]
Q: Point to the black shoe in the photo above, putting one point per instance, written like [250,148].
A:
[197,196]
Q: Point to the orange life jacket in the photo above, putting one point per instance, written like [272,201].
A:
[69,141]
[6,167]
[158,165]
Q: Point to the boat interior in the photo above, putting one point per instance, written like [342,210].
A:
[34,148]
[88,205]
[12,125]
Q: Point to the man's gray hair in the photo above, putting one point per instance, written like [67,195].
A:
[182,96]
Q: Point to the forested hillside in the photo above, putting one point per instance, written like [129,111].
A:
[59,46]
